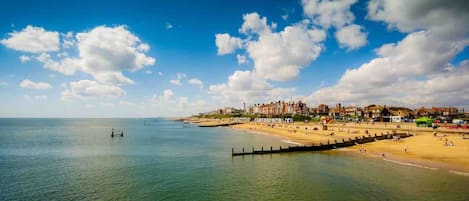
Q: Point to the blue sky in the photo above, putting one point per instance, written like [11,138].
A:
[167,58]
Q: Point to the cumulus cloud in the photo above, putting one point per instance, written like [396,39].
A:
[446,19]
[226,44]
[280,56]
[24,58]
[169,104]
[107,51]
[32,39]
[67,66]
[329,13]
[176,82]
[196,82]
[245,86]
[351,37]
[276,56]
[85,89]
[253,23]
[337,14]
[28,84]
[168,94]
[415,68]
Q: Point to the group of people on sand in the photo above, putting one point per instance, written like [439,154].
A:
[448,143]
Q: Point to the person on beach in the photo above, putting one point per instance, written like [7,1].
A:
[405,149]
[383,155]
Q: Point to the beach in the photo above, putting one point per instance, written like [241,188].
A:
[447,150]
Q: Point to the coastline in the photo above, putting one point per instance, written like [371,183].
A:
[425,150]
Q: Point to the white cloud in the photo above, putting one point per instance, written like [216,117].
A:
[446,19]
[66,66]
[28,84]
[280,56]
[51,76]
[351,37]
[196,82]
[67,40]
[175,82]
[226,44]
[168,94]
[107,51]
[337,14]
[253,23]
[329,13]
[24,58]
[277,56]
[148,72]
[103,52]
[413,71]
[245,86]
[160,73]
[32,39]
[168,104]
[241,59]
[85,89]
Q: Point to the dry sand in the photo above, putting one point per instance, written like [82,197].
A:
[423,149]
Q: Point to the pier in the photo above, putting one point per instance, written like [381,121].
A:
[321,146]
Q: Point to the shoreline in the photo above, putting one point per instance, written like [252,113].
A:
[374,150]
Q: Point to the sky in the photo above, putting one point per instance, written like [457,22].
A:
[167,58]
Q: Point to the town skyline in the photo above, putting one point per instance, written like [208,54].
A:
[164,59]
[280,108]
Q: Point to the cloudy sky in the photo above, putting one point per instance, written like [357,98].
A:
[168,58]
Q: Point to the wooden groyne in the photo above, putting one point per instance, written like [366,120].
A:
[220,124]
[322,147]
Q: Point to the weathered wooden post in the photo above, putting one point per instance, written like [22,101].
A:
[243,150]
[232,151]
[262,148]
[343,140]
[270,148]
[252,149]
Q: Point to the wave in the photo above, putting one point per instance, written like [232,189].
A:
[411,164]
[290,142]
[460,173]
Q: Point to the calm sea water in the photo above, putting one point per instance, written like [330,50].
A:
[76,159]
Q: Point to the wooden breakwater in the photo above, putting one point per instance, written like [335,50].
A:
[219,124]
[322,146]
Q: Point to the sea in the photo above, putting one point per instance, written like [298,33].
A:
[158,159]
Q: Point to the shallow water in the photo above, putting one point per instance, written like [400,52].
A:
[76,159]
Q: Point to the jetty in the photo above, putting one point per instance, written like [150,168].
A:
[322,146]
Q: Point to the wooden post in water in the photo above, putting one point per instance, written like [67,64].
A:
[243,150]
[252,149]
[270,148]
[262,148]
[232,151]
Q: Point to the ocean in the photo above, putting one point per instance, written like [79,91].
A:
[157,159]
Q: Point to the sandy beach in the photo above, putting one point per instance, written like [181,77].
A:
[422,150]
